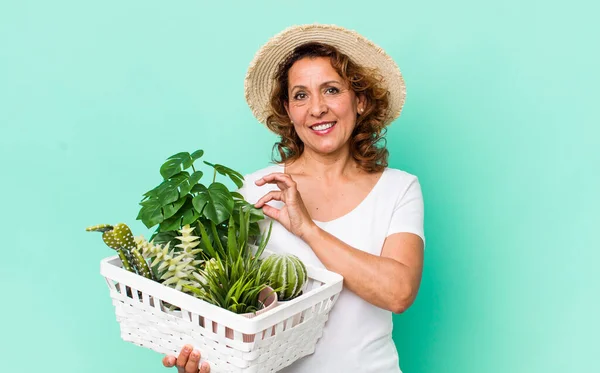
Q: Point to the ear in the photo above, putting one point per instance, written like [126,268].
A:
[287,109]
[361,102]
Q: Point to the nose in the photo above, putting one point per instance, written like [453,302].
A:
[318,106]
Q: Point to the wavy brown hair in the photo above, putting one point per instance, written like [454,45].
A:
[367,144]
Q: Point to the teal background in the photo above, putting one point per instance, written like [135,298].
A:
[500,125]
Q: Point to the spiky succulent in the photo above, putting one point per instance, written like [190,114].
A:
[286,272]
[177,266]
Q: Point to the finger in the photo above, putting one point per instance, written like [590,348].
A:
[272,195]
[205,368]
[192,363]
[280,184]
[272,176]
[183,357]
[285,179]
[169,361]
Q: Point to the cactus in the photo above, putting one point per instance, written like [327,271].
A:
[109,239]
[286,272]
[100,228]
[124,238]
[120,238]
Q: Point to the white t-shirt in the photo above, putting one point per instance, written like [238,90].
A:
[358,335]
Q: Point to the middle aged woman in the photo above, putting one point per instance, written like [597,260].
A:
[334,201]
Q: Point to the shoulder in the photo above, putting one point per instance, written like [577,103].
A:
[400,180]
[400,186]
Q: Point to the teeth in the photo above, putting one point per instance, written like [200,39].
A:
[322,127]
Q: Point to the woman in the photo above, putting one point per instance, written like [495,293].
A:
[334,201]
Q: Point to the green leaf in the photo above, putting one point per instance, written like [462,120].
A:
[184,158]
[235,176]
[206,241]
[214,202]
[184,215]
[232,243]
[166,184]
[216,239]
[170,224]
[171,208]
[170,168]
[189,184]
[190,215]
[264,241]
[256,215]
[151,213]
[168,193]
[197,154]
[244,227]
[176,187]
[197,188]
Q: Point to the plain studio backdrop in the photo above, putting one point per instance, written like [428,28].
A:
[500,125]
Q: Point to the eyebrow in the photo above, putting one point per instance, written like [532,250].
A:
[322,84]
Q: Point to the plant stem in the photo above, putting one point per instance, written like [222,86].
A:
[215,175]
[193,169]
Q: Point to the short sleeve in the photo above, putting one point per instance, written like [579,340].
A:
[408,214]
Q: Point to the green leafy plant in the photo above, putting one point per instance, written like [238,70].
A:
[181,199]
[233,279]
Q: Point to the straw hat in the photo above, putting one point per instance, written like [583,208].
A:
[261,73]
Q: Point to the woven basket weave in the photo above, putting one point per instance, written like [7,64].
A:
[279,336]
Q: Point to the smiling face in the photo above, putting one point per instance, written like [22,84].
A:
[321,105]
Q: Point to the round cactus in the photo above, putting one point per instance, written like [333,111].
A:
[287,273]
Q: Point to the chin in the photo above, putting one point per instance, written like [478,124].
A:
[328,149]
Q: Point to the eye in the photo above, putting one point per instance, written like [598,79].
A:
[300,96]
[332,90]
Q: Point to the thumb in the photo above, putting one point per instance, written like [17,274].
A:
[271,212]
[169,361]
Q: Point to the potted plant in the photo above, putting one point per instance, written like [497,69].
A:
[206,243]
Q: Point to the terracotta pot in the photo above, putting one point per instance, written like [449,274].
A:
[268,298]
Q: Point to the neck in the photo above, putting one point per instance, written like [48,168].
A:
[324,166]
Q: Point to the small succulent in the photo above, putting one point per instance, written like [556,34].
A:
[286,272]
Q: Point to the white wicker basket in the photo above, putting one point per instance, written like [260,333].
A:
[281,335]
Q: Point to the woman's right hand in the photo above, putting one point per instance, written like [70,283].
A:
[187,361]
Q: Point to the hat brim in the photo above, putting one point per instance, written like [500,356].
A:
[261,72]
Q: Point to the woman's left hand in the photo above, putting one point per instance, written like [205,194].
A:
[293,215]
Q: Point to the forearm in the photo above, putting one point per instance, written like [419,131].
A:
[381,281]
